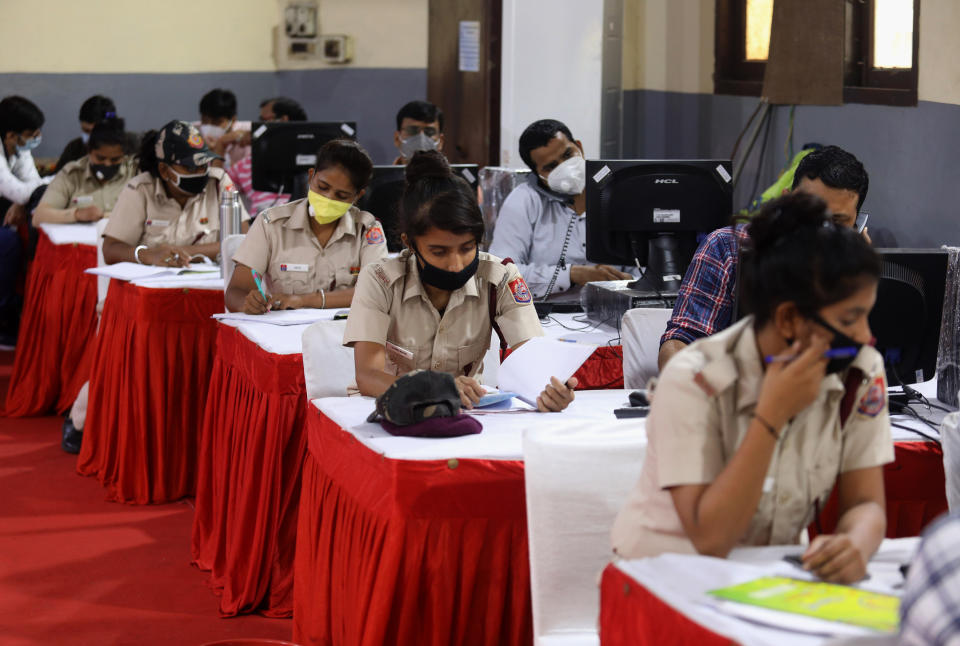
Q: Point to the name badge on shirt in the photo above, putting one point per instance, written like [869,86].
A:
[158,223]
[393,348]
[82,200]
[289,266]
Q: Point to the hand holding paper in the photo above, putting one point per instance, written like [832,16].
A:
[531,369]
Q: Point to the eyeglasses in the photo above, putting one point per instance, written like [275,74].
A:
[413,131]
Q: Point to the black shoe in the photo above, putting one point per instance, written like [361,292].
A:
[72,438]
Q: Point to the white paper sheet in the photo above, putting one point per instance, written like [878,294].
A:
[127,271]
[528,368]
[79,233]
[282,317]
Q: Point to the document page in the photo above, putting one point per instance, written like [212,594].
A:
[528,369]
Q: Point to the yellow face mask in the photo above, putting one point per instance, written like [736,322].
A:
[326,210]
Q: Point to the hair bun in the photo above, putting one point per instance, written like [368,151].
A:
[428,164]
[794,214]
[110,123]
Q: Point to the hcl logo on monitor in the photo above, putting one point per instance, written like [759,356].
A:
[666,181]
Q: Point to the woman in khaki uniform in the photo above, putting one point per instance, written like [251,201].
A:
[750,429]
[169,213]
[311,250]
[433,308]
[85,190]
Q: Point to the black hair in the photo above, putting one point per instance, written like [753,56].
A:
[435,197]
[284,106]
[18,114]
[350,156]
[148,153]
[538,134]
[219,104]
[420,111]
[836,168]
[796,253]
[108,132]
[97,108]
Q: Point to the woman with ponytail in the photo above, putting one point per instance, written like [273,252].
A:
[85,190]
[750,429]
[431,308]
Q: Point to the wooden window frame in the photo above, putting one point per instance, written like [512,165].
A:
[733,74]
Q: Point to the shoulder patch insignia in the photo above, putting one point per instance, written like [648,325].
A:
[374,235]
[875,399]
[521,294]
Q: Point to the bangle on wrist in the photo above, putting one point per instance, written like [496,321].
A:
[136,253]
[767,425]
[323,300]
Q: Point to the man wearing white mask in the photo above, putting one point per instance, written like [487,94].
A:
[541,225]
[224,134]
[419,127]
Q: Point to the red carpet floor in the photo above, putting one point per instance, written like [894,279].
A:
[75,569]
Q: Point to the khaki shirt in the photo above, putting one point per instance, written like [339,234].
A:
[391,307]
[76,187]
[281,246]
[701,409]
[144,214]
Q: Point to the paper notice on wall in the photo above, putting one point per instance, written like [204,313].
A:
[469,45]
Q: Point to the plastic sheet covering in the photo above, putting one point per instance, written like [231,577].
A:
[948,360]
[950,437]
[496,183]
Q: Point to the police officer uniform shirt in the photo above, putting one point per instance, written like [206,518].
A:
[76,187]
[391,307]
[281,245]
[144,214]
[704,403]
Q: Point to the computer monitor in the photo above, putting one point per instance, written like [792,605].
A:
[283,152]
[651,212]
[383,194]
[907,316]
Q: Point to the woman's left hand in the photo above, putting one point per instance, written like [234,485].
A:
[556,396]
[286,302]
[835,558]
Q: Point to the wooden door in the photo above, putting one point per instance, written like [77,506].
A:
[470,100]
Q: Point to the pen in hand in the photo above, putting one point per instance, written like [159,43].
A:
[259,282]
[833,353]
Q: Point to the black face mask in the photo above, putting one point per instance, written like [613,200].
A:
[443,279]
[193,184]
[840,341]
[104,172]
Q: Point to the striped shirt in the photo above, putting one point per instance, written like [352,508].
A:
[242,175]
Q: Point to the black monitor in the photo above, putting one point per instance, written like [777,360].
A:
[651,212]
[283,152]
[907,316]
[382,197]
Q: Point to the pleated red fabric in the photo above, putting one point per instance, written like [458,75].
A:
[252,447]
[148,387]
[915,488]
[603,369]
[630,615]
[424,552]
[59,322]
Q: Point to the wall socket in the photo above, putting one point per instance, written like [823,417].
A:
[298,43]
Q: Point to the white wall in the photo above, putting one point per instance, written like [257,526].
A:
[551,68]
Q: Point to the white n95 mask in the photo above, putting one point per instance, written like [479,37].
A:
[569,177]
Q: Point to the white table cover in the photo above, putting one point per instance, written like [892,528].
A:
[683,580]
[501,439]
[276,339]
[73,233]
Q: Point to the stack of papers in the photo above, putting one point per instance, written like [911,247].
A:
[304,316]
[528,369]
[132,271]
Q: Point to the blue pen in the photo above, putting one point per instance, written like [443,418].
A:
[259,283]
[833,353]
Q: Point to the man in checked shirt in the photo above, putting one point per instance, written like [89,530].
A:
[706,300]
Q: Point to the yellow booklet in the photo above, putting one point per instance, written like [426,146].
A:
[826,601]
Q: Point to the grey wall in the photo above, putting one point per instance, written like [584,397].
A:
[912,154]
[369,96]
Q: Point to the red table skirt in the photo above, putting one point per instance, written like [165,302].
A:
[252,448]
[59,322]
[424,552]
[603,369]
[630,615]
[148,387]
[915,488]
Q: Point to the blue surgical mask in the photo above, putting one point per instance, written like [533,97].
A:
[85,137]
[31,144]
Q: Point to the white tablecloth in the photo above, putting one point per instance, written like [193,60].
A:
[276,339]
[501,439]
[78,233]
[683,580]
[576,327]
